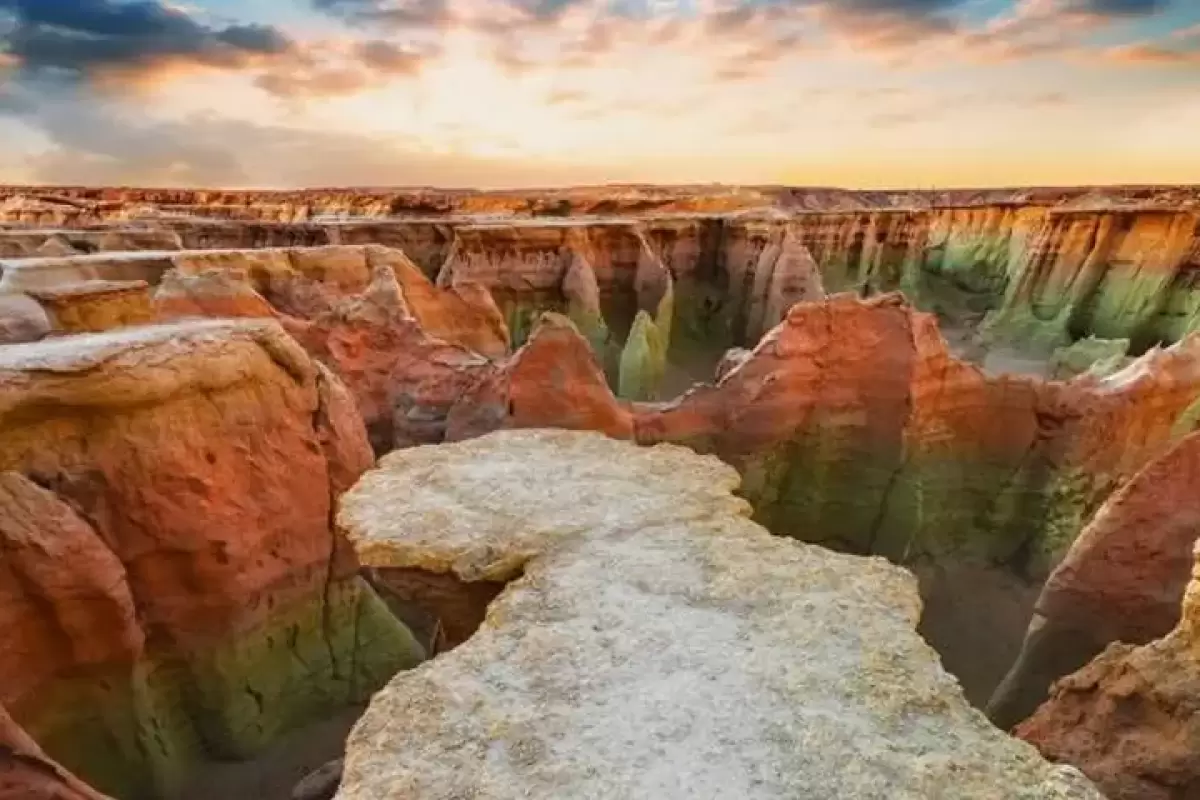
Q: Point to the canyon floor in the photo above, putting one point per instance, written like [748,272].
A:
[594,492]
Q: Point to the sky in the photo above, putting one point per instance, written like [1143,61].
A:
[520,93]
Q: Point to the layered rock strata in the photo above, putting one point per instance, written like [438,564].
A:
[1129,719]
[174,592]
[851,421]
[407,349]
[1046,273]
[653,642]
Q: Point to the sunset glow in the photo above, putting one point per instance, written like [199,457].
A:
[857,93]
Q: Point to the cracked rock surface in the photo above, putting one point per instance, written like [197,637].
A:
[654,643]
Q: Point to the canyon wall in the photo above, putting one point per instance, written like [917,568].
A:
[172,591]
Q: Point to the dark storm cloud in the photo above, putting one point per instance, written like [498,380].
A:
[80,39]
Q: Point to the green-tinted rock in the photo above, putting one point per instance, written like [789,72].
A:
[147,727]
[643,361]
[1099,357]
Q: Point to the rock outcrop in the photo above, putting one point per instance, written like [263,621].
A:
[554,381]
[174,592]
[653,642]
[405,381]
[93,306]
[852,421]
[1129,719]
[1121,581]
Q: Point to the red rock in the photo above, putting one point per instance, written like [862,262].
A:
[210,293]
[173,577]
[1129,719]
[403,380]
[553,381]
[1121,581]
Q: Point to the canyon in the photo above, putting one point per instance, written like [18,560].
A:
[271,463]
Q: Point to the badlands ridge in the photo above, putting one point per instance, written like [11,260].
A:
[599,492]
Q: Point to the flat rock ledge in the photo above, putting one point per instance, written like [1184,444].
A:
[655,643]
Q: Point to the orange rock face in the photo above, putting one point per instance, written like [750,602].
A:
[96,305]
[1121,581]
[1129,719]
[403,380]
[165,497]
[553,381]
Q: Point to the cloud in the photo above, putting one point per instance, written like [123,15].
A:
[1119,8]
[123,45]
[132,41]
[390,13]
[95,145]
[332,71]
[1179,48]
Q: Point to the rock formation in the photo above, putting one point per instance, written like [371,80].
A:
[654,642]
[173,591]
[1129,719]
[553,381]
[95,305]
[1121,581]
[851,418]
[404,381]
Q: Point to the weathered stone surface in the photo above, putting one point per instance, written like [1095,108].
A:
[209,293]
[175,592]
[853,420]
[404,381]
[1098,356]
[1121,581]
[92,306]
[553,381]
[655,644]
[22,274]
[1129,719]
[321,784]
[463,313]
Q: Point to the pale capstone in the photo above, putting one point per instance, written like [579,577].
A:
[657,644]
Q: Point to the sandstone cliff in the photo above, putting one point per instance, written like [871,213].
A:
[173,590]
[1129,719]
[1121,581]
[654,643]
